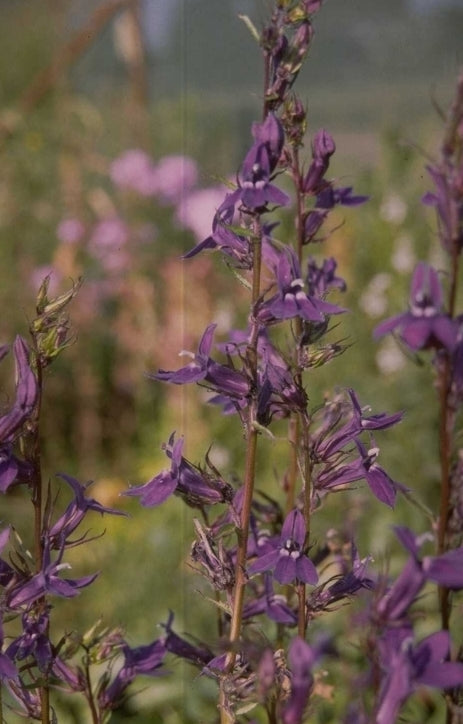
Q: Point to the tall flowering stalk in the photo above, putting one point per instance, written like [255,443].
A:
[434,323]
[269,565]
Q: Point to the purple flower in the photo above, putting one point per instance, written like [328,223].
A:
[34,640]
[225,380]
[329,445]
[448,201]
[47,581]
[330,197]
[445,570]
[381,485]
[75,512]
[254,188]
[26,393]
[195,486]
[287,559]
[407,667]
[146,660]
[272,605]
[291,300]
[321,279]
[301,657]
[270,134]
[7,668]
[12,422]
[425,325]
[233,245]
[6,571]
[323,147]
[175,644]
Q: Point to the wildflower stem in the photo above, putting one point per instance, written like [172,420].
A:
[89,694]
[450,239]
[34,456]
[249,478]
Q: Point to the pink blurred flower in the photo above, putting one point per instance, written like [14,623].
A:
[110,233]
[106,244]
[70,231]
[175,177]
[196,211]
[134,170]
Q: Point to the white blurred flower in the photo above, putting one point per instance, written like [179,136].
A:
[393,209]
[373,301]
[403,257]
[389,358]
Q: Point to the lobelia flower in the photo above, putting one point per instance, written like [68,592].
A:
[425,325]
[321,279]
[195,486]
[6,571]
[271,604]
[11,423]
[175,644]
[344,586]
[254,188]
[330,196]
[359,422]
[287,559]
[407,667]
[47,581]
[301,657]
[364,467]
[75,512]
[291,300]
[8,670]
[34,640]
[225,380]
[445,570]
[26,392]
[146,660]
[233,245]
[448,201]
[323,147]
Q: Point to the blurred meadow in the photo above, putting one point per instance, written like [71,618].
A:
[82,83]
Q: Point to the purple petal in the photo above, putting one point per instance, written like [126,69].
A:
[381,485]
[156,490]
[294,528]
[306,571]
[264,563]
[446,570]
[285,569]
